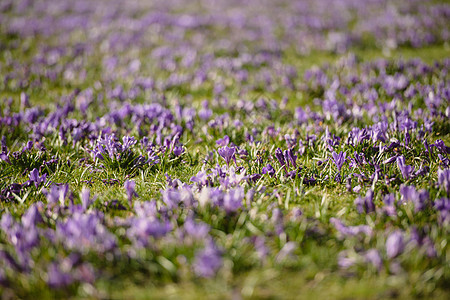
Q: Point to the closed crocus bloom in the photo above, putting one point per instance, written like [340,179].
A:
[280,156]
[289,154]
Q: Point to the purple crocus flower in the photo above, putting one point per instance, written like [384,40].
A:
[198,231]
[130,186]
[440,145]
[406,170]
[141,228]
[34,178]
[420,239]
[390,160]
[444,179]
[286,252]
[345,261]
[260,247]
[365,204]
[289,156]
[339,159]
[255,177]
[389,205]
[395,244]
[280,156]
[444,161]
[442,205]
[178,150]
[85,232]
[227,153]
[57,194]
[86,200]
[32,216]
[350,230]
[223,141]
[268,170]
[232,201]
[4,157]
[56,278]
[419,198]
[373,256]
[201,178]
[208,261]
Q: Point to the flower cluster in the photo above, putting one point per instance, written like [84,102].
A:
[163,142]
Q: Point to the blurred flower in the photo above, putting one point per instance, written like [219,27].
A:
[394,244]
[56,278]
[130,186]
[208,261]
[350,230]
[365,204]
[444,179]
[373,256]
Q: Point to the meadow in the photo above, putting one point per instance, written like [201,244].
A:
[212,149]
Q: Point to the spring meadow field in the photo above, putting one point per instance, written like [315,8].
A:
[224,149]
